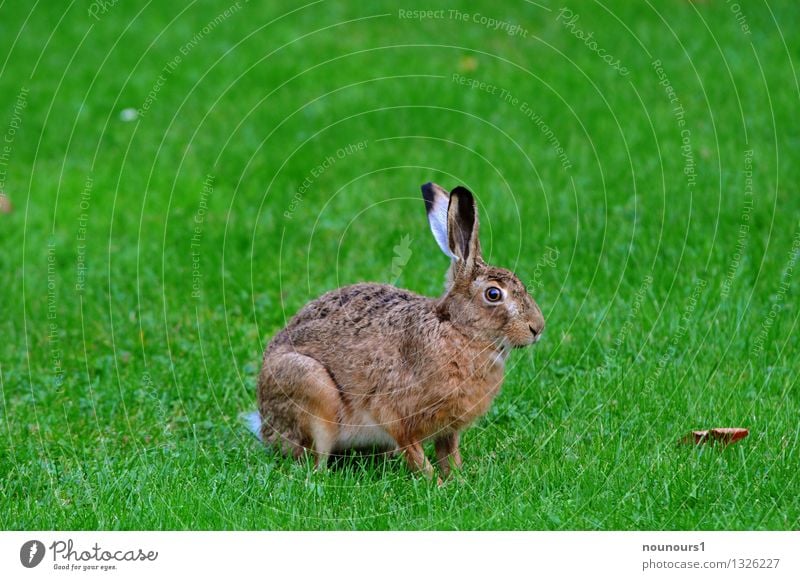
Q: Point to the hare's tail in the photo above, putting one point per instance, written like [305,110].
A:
[253,422]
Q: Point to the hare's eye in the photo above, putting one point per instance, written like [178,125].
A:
[493,294]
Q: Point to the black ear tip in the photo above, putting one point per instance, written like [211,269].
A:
[428,194]
[466,201]
[461,192]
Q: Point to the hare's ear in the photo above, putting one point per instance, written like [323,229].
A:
[437,201]
[462,227]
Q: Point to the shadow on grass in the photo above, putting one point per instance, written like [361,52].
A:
[368,462]
[375,462]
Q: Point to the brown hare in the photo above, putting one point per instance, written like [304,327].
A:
[372,365]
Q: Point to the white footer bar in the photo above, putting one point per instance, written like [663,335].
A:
[401,555]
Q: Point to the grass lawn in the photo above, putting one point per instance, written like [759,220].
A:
[642,181]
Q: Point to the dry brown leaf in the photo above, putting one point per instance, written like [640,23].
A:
[724,435]
[729,434]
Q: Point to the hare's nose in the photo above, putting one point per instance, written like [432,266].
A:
[536,325]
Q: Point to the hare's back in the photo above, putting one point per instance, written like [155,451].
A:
[357,317]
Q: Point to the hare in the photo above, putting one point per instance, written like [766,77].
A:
[371,365]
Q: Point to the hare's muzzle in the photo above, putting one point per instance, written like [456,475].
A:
[536,324]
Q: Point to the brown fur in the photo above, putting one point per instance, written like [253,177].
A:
[370,358]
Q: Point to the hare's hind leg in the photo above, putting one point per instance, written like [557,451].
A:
[299,403]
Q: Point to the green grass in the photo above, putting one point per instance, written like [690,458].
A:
[120,399]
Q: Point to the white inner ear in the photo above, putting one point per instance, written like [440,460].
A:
[437,217]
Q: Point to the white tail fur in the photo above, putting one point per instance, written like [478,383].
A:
[253,422]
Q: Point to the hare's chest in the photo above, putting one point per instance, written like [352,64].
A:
[473,395]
